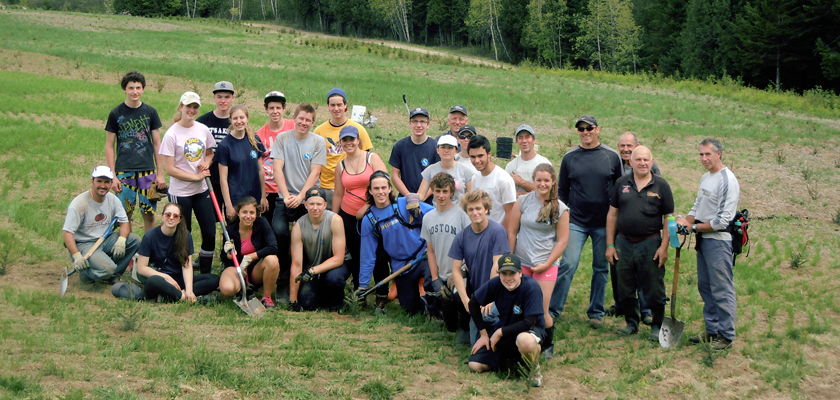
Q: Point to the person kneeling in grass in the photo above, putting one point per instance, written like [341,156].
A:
[521,326]
[256,250]
[169,247]
[318,244]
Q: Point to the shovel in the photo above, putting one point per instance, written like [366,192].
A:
[65,275]
[672,328]
[251,307]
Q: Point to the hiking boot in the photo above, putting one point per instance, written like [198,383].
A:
[381,304]
[267,303]
[535,376]
[628,330]
[647,320]
[595,323]
[721,343]
[462,337]
[703,337]
[612,312]
[654,333]
[85,280]
[113,280]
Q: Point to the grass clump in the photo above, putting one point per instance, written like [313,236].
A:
[836,218]
[799,259]
[7,247]
[378,390]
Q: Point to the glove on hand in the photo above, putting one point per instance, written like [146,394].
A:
[437,284]
[118,251]
[359,293]
[229,247]
[412,204]
[446,290]
[246,261]
[79,261]
[304,276]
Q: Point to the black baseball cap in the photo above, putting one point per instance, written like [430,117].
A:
[316,192]
[510,262]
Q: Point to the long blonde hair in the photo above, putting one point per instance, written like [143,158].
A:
[249,132]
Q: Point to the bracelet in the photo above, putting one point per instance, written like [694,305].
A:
[610,245]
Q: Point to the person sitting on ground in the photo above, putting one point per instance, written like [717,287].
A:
[169,247]
[390,225]
[538,233]
[88,217]
[520,329]
[447,146]
[256,250]
[318,254]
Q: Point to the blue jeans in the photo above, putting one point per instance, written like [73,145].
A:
[569,264]
[102,264]
[491,320]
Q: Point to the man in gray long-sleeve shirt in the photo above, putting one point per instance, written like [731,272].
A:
[587,173]
[714,208]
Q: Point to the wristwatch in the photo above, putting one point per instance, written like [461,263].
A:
[694,228]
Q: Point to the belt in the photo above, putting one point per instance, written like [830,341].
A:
[637,239]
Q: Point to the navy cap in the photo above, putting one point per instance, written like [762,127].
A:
[418,111]
[336,92]
[587,119]
[458,108]
[467,128]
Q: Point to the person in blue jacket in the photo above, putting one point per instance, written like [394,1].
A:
[395,225]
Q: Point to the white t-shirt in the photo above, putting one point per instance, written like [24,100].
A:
[460,173]
[187,146]
[499,185]
[465,161]
[525,169]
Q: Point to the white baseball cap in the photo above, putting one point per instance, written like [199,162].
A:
[189,98]
[447,140]
[102,171]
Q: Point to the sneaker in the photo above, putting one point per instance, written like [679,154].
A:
[704,337]
[647,320]
[654,333]
[548,352]
[595,323]
[85,280]
[462,337]
[113,280]
[627,330]
[721,343]
[381,304]
[268,303]
[206,299]
[612,312]
[535,376]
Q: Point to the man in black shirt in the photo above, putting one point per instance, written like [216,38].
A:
[521,325]
[587,174]
[639,208]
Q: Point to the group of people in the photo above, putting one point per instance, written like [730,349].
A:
[490,251]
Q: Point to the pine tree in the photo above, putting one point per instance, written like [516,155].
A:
[544,33]
[704,52]
[610,38]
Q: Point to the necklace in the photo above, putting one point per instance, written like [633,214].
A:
[358,164]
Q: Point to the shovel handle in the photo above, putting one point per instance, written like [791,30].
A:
[226,235]
[674,285]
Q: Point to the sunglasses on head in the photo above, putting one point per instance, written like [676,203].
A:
[172,215]
[379,174]
[589,128]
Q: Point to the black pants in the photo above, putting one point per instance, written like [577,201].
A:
[202,206]
[280,221]
[408,287]
[271,198]
[157,285]
[324,290]
[636,269]
[455,316]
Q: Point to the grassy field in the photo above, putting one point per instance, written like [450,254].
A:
[59,77]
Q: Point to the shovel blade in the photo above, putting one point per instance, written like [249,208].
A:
[64,280]
[670,332]
[251,307]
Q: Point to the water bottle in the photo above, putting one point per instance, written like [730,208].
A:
[672,231]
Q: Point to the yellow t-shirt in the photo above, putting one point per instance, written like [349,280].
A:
[335,153]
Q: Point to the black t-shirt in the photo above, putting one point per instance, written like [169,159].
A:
[135,150]
[640,211]
[244,164]
[219,129]
[158,247]
[585,180]
[513,306]
[412,159]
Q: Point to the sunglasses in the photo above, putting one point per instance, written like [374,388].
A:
[589,128]
[172,215]
[462,136]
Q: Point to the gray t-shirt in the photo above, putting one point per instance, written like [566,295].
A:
[461,174]
[298,157]
[525,168]
[440,229]
[87,220]
[535,239]
[317,243]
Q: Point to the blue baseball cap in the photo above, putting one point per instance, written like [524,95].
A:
[336,92]
[348,131]
[418,111]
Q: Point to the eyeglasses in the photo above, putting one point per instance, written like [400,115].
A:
[589,128]
[416,122]
[171,215]
[465,136]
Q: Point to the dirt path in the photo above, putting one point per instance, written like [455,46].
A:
[392,44]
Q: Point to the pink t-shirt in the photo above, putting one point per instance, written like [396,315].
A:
[248,245]
[187,146]
[267,137]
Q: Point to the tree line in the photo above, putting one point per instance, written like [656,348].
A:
[776,44]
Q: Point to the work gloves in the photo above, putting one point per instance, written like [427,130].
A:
[359,293]
[246,261]
[305,276]
[229,247]
[118,251]
[437,284]
[446,290]
[412,204]
[79,261]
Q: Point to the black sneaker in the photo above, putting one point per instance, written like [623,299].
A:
[381,304]
[703,337]
[654,333]
[721,343]
[647,320]
[627,330]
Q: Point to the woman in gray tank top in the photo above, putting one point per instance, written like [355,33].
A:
[538,233]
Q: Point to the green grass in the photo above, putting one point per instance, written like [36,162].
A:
[51,134]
